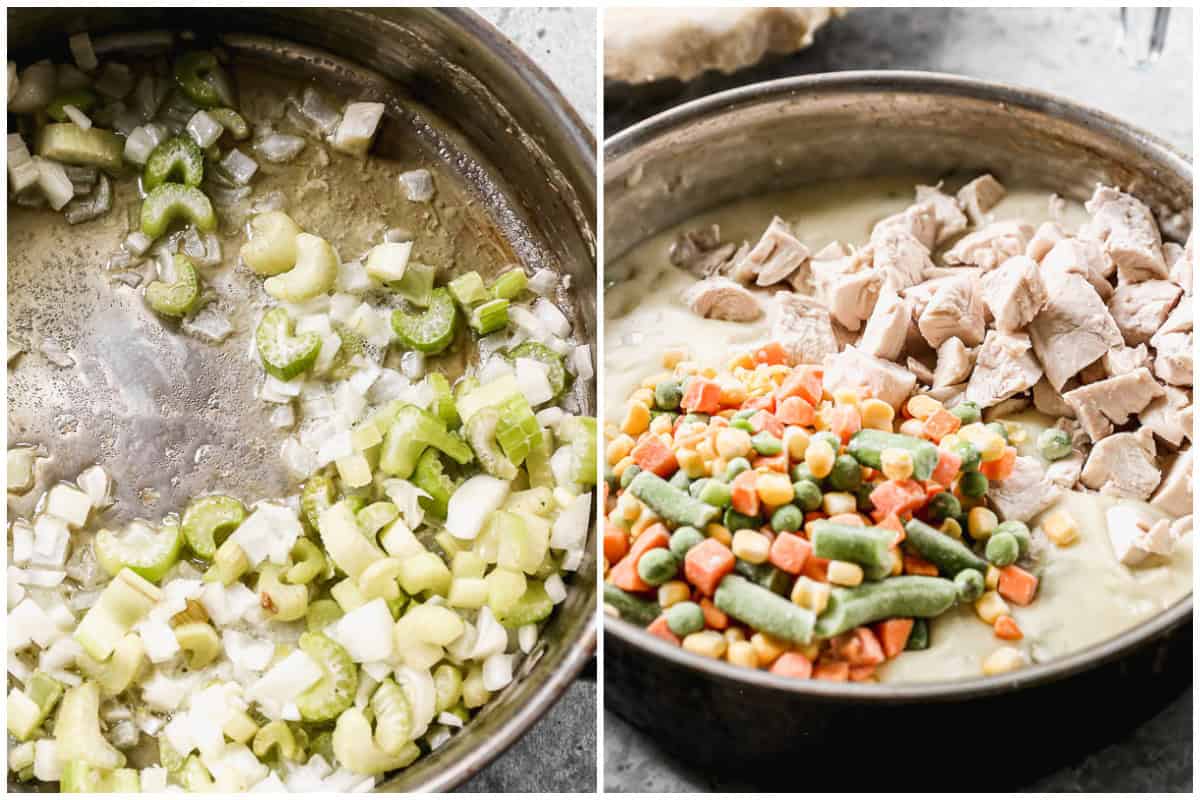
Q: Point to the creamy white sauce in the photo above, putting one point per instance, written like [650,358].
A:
[1085,595]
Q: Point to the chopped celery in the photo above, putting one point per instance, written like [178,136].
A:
[272,245]
[176,160]
[283,355]
[334,692]
[496,393]
[481,434]
[28,708]
[537,463]
[489,317]
[555,373]
[209,519]
[379,580]
[425,572]
[116,674]
[204,80]
[281,601]
[518,431]
[77,729]
[122,604]
[318,494]
[82,99]
[510,284]
[178,298]
[67,143]
[430,476]
[308,562]
[321,614]
[356,749]
[393,717]
[417,284]
[195,776]
[344,542]
[468,289]
[413,430]
[537,500]
[431,331]
[315,272]
[80,777]
[277,735]
[532,607]
[147,552]
[229,563]
[201,640]
[172,201]
[443,400]
[505,589]
[581,433]
[233,122]
[386,262]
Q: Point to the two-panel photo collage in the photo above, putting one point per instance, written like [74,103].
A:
[599,399]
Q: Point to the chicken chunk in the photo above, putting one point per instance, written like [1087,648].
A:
[721,298]
[979,197]
[777,255]
[847,289]
[955,309]
[1129,233]
[954,363]
[1140,309]
[1047,235]
[1181,262]
[1084,257]
[1173,358]
[951,221]
[1047,400]
[1168,417]
[1073,329]
[990,247]
[918,220]
[917,367]
[1100,405]
[1136,536]
[701,251]
[1174,496]
[802,325]
[1004,367]
[900,258]
[1014,293]
[1025,493]
[872,376]
[887,329]
[1121,360]
[1064,473]
[1123,465]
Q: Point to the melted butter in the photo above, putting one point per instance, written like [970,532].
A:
[1085,595]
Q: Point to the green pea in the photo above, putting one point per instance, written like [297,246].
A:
[943,505]
[1002,549]
[808,495]
[684,539]
[657,566]
[1054,443]
[716,493]
[998,427]
[967,411]
[629,474]
[969,454]
[742,425]
[766,445]
[744,413]
[685,618]
[1018,529]
[833,439]
[667,395]
[735,467]
[681,481]
[969,583]
[801,472]
[846,475]
[973,484]
[736,521]
[787,518]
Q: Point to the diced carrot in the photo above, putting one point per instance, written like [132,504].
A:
[940,423]
[714,617]
[803,381]
[765,402]
[1016,585]
[862,673]
[1007,628]
[743,360]
[915,565]
[625,575]
[849,518]
[770,353]
[793,665]
[832,671]
[652,454]
[859,647]
[817,569]
[745,498]
[892,523]
[789,552]
[893,635]
[766,421]
[702,396]
[616,543]
[795,411]
[660,629]
[706,564]
[845,421]
[947,467]
[1001,468]
[897,497]
[777,463]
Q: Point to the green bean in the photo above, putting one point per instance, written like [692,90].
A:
[787,519]
[847,474]
[178,298]
[670,503]
[684,539]
[766,575]
[283,355]
[431,331]
[1002,549]
[736,521]
[667,395]
[203,79]
[967,411]
[629,474]
[970,585]
[863,496]
[945,552]
[176,160]
[868,445]
[1054,444]
[658,566]
[866,546]
[763,610]
[685,618]
[681,481]
[969,454]
[208,520]
[973,484]
[904,596]
[918,638]
[765,444]
[632,608]
[172,201]
[807,494]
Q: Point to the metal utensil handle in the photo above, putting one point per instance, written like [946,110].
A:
[1141,34]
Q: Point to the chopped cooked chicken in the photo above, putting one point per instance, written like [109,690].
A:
[1123,465]
[776,256]
[1178,321]
[874,377]
[1173,360]
[924,373]
[954,363]
[1181,263]
[1047,235]
[1129,233]
[1005,366]
[951,221]
[1181,527]
[849,290]
[802,325]
[955,309]
[1047,400]
[918,220]
[1168,416]
[1093,372]
[990,247]
[1073,329]
[1025,493]
[900,258]
[1139,309]
[1120,360]
[1113,400]
[1014,293]
[1174,496]
[1064,473]
[700,251]
[721,298]
[949,396]
[887,329]
[1084,257]
[1135,535]
[979,197]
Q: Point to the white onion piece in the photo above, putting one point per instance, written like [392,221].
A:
[418,185]
[553,318]
[571,528]
[490,636]
[497,672]
[141,142]
[412,364]
[239,166]
[54,183]
[543,282]
[556,590]
[96,204]
[472,503]
[527,637]
[95,481]
[279,148]
[449,720]
[78,117]
[209,325]
[533,378]
[317,110]
[205,130]
[580,362]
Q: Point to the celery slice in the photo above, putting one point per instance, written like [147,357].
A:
[481,434]
[517,431]
[176,160]
[321,614]
[283,355]
[122,604]
[204,80]
[201,640]
[281,601]
[68,143]
[195,776]
[82,99]
[147,552]
[510,284]
[317,495]
[277,736]
[308,562]
[393,717]
[430,476]
[272,246]
[117,673]
[334,692]
[229,564]
[28,708]
[537,463]
[355,747]
[413,430]
[344,542]
[533,606]
[80,777]
[209,519]
[77,729]
[431,331]
[233,122]
[496,393]
[581,433]
[417,284]
[315,271]
[173,201]
[489,317]
[178,298]
[443,400]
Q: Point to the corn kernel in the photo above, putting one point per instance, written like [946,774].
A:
[661,424]
[951,528]
[845,573]
[673,592]
[1006,659]
[1060,528]
[810,651]
[705,643]
[717,531]
[618,448]
[897,464]
[673,356]
[991,578]
[733,393]
[629,506]
[743,655]
[706,450]
[845,396]
[690,462]
[637,419]
[795,442]
[981,521]
[734,634]
[876,414]
[643,522]
[751,546]
[811,594]
[992,447]
[989,606]
[838,503]
[733,443]
[774,488]
[819,457]
[620,467]
[717,466]
[912,427]
[643,396]
[767,648]
[922,406]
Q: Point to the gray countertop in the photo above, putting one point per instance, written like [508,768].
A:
[1070,52]
[559,753]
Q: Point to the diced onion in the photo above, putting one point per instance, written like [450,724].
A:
[78,117]
[35,88]
[571,528]
[497,672]
[553,318]
[239,166]
[141,142]
[208,325]
[54,183]
[418,185]
[581,362]
[357,128]
[280,148]
[532,377]
[472,503]
[527,637]
[205,130]
[418,686]
[556,590]
[95,481]
[82,52]
[543,282]
[318,111]
[449,720]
